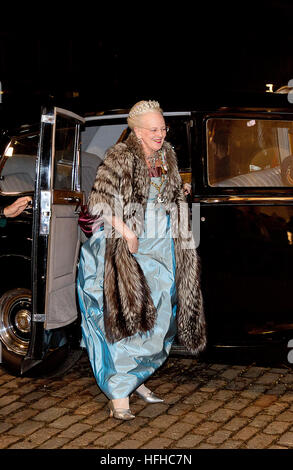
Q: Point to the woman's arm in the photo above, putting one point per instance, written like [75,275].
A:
[17,206]
[106,190]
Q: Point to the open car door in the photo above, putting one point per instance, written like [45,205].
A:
[55,244]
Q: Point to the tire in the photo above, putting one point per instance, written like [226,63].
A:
[15,334]
[15,321]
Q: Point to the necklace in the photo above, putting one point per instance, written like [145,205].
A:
[158,186]
[152,160]
[160,197]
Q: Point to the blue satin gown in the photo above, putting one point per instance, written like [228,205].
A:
[120,368]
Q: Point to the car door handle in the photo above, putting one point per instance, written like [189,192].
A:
[75,199]
[72,199]
[66,197]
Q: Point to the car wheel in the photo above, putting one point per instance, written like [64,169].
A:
[15,326]
[15,334]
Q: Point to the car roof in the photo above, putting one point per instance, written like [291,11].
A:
[213,102]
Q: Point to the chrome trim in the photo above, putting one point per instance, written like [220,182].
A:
[247,199]
[39,317]
[117,116]
[48,118]
[9,335]
[262,198]
[23,320]
[65,112]
[177,113]
[45,212]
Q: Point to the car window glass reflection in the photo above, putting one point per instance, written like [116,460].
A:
[247,152]
[64,153]
[18,164]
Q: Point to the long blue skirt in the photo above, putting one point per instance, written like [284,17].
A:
[120,367]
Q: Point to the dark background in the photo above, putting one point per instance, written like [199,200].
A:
[88,59]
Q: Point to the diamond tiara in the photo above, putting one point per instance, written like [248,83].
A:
[144,107]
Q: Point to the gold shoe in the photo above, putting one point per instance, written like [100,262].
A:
[120,413]
[149,396]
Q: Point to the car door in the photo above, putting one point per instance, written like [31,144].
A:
[246,227]
[55,229]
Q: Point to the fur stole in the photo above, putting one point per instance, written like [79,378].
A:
[122,183]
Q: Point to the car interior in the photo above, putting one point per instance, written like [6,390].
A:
[248,153]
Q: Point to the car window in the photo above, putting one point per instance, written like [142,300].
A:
[64,153]
[18,164]
[178,136]
[247,152]
[97,138]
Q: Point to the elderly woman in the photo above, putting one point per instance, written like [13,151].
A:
[138,282]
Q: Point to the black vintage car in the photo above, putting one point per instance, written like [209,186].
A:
[237,160]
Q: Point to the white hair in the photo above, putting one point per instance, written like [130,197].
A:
[140,108]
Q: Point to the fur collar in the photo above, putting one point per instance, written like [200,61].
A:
[141,170]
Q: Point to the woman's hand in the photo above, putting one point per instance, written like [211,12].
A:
[132,241]
[128,235]
[186,189]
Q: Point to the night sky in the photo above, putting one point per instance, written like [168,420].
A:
[101,60]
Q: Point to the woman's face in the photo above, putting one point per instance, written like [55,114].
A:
[151,131]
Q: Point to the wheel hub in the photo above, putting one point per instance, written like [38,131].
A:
[23,320]
[15,320]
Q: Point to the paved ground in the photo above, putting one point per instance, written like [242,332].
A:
[207,406]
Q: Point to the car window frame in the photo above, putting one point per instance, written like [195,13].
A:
[203,186]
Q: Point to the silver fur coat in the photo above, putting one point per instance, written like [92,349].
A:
[128,306]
